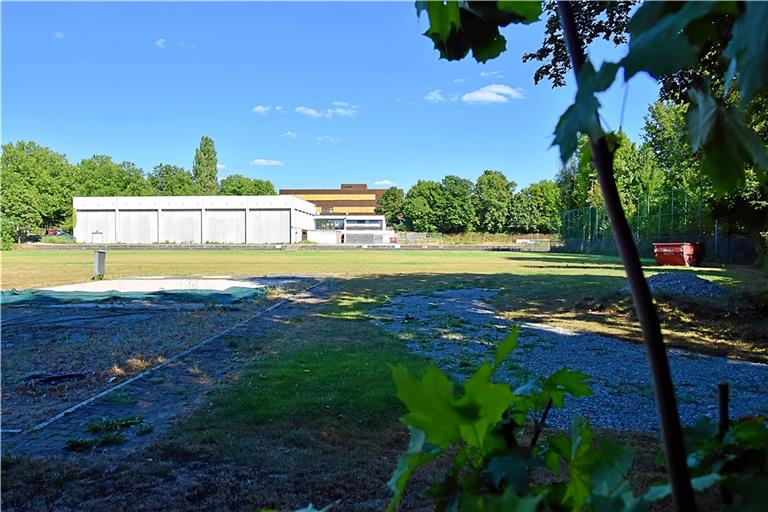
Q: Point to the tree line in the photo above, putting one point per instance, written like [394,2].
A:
[38,183]
[490,204]
[662,163]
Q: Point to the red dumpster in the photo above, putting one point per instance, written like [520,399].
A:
[688,254]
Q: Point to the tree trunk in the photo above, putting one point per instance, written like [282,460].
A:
[672,433]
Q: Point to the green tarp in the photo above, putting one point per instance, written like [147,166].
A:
[228,296]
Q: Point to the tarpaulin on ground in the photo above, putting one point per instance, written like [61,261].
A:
[228,296]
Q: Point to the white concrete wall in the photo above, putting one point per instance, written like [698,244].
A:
[225,226]
[137,226]
[192,219]
[180,226]
[95,226]
[323,236]
[269,226]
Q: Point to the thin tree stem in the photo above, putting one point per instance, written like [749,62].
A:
[672,433]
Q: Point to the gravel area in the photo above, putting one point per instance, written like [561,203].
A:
[684,283]
[458,329]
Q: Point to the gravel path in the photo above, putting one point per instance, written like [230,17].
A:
[458,329]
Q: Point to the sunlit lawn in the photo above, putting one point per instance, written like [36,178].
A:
[582,292]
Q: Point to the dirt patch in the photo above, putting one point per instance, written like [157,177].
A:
[56,356]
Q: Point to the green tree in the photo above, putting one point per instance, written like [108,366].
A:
[239,185]
[391,205]
[47,175]
[493,194]
[566,179]
[458,210]
[665,135]
[100,176]
[522,213]
[172,180]
[422,206]
[205,169]
[545,196]
[19,210]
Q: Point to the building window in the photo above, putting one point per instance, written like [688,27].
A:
[329,223]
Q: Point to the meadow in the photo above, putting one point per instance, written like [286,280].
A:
[311,415]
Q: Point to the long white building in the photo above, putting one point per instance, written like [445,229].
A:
[193,219]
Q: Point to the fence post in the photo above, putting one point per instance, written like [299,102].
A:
[672,215]
[716,237]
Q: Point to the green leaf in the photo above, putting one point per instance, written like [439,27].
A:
[444,18]
[419,452]
[701,118]
[506,347]
[510,501]
[727,143]
[658,44]
[699,483]
[581,117]
[430,405]
[488,399]
[607,472]
[753,490]
[565,381]
[528,12]
[511,470]
[751,432]
[748,50]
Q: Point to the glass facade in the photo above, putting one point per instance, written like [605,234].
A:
[329,223]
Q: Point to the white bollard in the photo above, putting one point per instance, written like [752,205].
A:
[99,264]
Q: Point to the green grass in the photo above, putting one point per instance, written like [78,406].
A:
[577,291]
[327,373]
[29,269]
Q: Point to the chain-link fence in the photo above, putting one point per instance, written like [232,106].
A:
[674,217]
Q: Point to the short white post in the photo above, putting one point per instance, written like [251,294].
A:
[99,264]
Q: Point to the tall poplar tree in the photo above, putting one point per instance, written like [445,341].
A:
[204,170]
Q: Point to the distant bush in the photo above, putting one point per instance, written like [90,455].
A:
[58,239]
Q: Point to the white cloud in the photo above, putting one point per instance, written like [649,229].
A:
[384,183]
[290,135]
[220,167]
[435,96]
[278,108]
[58,35]
[308,111]
[328,139]
[263,162]
[341,103]
[459,81]
[491,74]
[260,109]
[349,111]
[160,43]
[494,93]
[344,112]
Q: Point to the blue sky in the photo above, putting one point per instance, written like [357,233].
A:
[303,94]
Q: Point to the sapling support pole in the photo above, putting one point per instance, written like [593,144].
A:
[723,423]
[672,432]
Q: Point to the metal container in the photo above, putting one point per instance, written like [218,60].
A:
[689,254]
